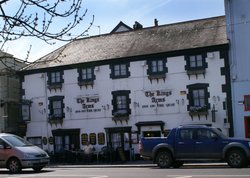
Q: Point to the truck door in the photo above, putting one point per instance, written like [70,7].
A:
[185,143]
[207,144]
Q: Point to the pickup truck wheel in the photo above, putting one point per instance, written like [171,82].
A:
[164,159]
[236,159]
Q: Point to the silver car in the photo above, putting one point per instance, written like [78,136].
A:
[17,153]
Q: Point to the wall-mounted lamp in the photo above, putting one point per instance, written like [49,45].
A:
[136,104]
[216,99]
[182,101]
[69,109]
[105,107]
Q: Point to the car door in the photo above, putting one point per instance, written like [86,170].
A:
[185,145]
[2,153]
[207,144]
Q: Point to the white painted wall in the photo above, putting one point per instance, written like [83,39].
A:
[173,111]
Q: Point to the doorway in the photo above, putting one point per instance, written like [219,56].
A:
[66,139]
[119,140]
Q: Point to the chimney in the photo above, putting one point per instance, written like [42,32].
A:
[137,26]
[156,23]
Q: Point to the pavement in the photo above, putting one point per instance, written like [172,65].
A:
[130,164]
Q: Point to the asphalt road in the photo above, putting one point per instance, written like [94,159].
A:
[133,172]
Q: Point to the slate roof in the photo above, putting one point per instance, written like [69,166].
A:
[152,40]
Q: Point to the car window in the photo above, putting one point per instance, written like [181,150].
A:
[205,134]
[186,134]
[16,141]
[1,142]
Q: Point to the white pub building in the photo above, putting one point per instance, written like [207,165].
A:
[114,88]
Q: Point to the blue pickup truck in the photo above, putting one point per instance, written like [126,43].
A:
[192,143]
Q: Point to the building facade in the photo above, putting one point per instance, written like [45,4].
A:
[114,88]
[9,93]
[238,27]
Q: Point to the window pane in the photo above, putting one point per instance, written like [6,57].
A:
[199,97]
[57,110]
[87,74]
[199,60]
[192,61]
[196,61]
[154,66]
[121,103]
[123,69]
[160,66]
[117,70]
[55,77]
[58,76]
[58,144]
[84,76]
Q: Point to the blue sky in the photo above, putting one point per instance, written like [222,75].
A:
[108,13]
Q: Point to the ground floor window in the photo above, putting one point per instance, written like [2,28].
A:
[35,141]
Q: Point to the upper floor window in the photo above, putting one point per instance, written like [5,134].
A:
[119,70]
[247,102]
[55,79]
[86,76]
[157,66]
[195,64]
[198,98]
[56,107]
[157,69]
[121,103]
[195,61]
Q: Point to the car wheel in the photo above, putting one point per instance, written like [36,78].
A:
[177,164]
[37,169]
[236,159]
[14,166]
[164,159]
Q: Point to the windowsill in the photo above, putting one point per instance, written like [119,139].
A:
[120,118]
[196,71]
[55,86]
[157,76]
[120,77]
[82,83]
[55,121]
[194,113]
